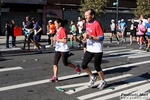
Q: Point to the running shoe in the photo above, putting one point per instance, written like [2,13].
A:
[140,47]
[92,81]
[102,85]
[78,69]
[147,49]
[39,52]
[43,47]
[118,42]
[27,50]
[70,54]
[54,79]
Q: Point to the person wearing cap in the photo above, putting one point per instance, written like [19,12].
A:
[113,31]
[51,30]
[123,27]
[37,29]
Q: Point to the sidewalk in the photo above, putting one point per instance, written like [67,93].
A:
[20,39]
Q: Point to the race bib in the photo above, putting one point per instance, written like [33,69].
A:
[90,42]
[57,45]
[148,30]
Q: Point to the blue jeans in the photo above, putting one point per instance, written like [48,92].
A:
[12,42]
[7,41]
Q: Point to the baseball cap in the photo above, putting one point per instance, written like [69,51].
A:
[122,20]
[50,21]
[112,20]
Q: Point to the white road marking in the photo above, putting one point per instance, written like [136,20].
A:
[114,48]
[84,86]
[138,80]
[10,49]
[140,56]
[131,52]
[10,69]
[106,52]
[66,77]
[128,54]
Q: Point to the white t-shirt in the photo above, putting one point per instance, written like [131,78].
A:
[80,26]
[112,26]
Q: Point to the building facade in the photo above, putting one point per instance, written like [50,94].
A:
[45,10]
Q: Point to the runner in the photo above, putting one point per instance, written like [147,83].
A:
[28,33]
[80,31]
[144,23]
[61,49]
[148,33]
[133,29]
[140,34]
[94,37]
[51,32]
[118,29]
[123,26]
[73,31]
[37,29]
[113,31]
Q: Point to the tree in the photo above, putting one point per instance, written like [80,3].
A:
[97,5]
[143,8]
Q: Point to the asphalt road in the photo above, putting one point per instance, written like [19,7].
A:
[25,76]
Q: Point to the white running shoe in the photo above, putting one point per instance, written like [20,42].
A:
[102,85]
[92,81]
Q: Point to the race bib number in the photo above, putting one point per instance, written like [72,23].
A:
[148,30]
[57,45]
[89,42]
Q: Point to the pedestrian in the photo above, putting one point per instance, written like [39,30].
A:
[51,30]
[133,29]
[140,34]
[7,33]
[73,31]
[36,37]
[61,49]
[113,31]
[148,34]
[94,37]
[12,26]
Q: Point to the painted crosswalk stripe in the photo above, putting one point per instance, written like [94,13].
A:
[131,52]
[10,69]
[147,54]
[128,54]
[84,86]
[66,77]
[113,48]
[107,52]
[138,80]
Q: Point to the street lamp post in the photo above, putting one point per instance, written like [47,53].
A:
[116,4]
[116,12]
